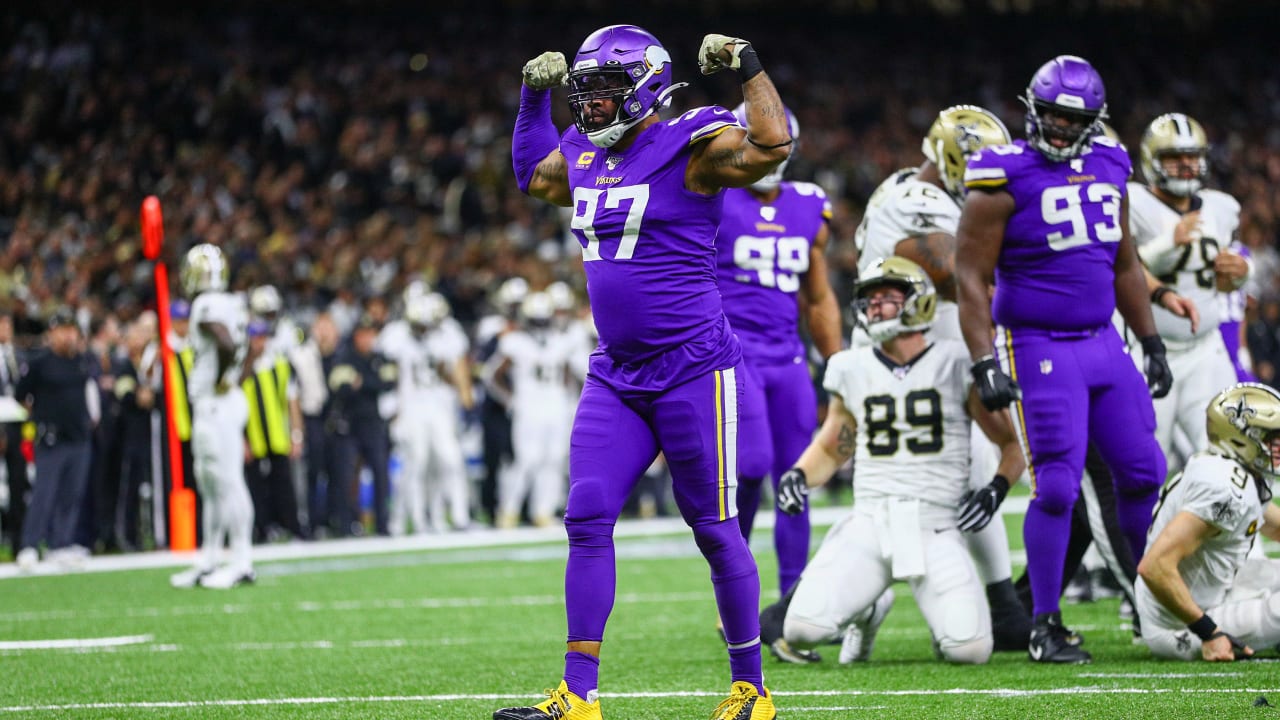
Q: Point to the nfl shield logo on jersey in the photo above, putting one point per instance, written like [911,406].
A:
[1046,366]
[613,161]
[768,212]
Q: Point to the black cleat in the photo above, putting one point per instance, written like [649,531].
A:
[1051,642]
[783,650]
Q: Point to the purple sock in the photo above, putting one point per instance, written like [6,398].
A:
[581,673]
[737,587]
[791,543]
[1045,536]
[590,579]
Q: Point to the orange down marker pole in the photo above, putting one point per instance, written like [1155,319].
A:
[182,500]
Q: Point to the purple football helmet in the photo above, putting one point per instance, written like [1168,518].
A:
[774,178]
[1066,104]
[627,65]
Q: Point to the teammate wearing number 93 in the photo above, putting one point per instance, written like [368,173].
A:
[1046,220]
[646,198]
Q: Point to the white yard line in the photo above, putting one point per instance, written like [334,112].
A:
[993,692]
[75,643]
[1160,676]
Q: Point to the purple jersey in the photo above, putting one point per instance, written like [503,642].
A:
[1056,269]
[647,248]
[762,251]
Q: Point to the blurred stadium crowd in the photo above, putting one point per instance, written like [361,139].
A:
[341,154]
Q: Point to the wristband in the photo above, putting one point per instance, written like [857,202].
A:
[1158,294]
[749,63]
[1204,627]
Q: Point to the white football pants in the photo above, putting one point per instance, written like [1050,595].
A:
[540,444]
[217,452]
[1201,369]
[433,473]
[1250,612]
[854,565]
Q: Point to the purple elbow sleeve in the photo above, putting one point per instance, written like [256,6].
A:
[535,135]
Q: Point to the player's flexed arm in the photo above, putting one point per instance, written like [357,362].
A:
[735,158]
[541,171]
[1134,303]
[833,445]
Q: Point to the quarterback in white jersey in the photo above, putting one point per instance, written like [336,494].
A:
[1183,232]
[533,366]
[219,322]
[903,409]
[1198,594]
[434,384]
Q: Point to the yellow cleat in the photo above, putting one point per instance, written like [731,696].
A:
[560,705]
[744,703]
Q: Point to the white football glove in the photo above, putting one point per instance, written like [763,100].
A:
[546,71]
[714,56]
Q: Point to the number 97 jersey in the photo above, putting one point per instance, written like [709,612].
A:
[913,426]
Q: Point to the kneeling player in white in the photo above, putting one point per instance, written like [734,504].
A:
[219,322]
[904,407]
[1198,595]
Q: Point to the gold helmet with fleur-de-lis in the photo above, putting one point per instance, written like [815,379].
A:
[918,307]
[958,132]
[1174,134]
[1242,422]
[204,269]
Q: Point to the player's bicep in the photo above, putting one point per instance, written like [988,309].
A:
[936,254]
[980,234]
[728,159]
[1184,534]
[551,180]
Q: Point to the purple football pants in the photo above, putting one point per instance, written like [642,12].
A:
[615,438]
[778,419]
[1079,387]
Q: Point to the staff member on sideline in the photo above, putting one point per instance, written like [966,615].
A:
[56,382]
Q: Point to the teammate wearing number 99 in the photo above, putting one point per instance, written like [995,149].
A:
[1046,220]
[771,251]
[646,198]
[903,409]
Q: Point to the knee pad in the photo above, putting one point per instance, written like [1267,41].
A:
[1056,489]
[974,652]
[724,548]
[586,502]
[804,633]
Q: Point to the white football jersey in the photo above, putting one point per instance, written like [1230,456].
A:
[1222,493]
[904,207]
[913,426]
[539,366]
[1188,268]
[228,309]
[409,353]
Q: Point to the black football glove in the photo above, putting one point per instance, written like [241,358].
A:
[793,488]
[977,507]
[1159,376]
[996,389]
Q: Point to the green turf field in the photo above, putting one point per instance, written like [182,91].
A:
[458,633]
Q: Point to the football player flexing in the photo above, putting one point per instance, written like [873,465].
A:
[646,198]
[903,409]
[913,214]
[1183,231]
[1046,223]
[219,413]
[1198,594]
